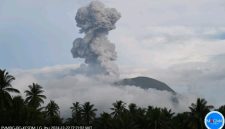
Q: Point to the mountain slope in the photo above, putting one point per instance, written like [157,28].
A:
[146,83]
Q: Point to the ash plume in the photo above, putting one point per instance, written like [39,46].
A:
[95,21]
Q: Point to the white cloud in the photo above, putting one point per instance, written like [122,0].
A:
[204,79]
[170,40]
[68,89]
[165,46]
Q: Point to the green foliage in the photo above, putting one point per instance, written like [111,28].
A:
[118,108]
[34,96]
[88,113]
[29,111]
[5,90]
[198,113]
[76,115]
[52,113]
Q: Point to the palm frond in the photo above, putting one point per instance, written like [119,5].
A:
[12,90]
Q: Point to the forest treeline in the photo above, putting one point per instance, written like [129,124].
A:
[16,110]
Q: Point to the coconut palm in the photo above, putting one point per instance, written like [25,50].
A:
[52,113]
[118,108]
[159,118]
[18,110]
[140,118]
[34,96]
[52,109]
[124,121]
[180,121]
[76,114]
[104,121]
[166,117]
[76,107]
[222,110]
[198,112]
[88,113]
[132,108]
[154,117]
[5,89]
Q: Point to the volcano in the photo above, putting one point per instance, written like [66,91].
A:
[145,83]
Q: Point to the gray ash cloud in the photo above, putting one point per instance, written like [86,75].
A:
[95,21]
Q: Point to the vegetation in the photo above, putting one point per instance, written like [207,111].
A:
[15,110]
[34,98]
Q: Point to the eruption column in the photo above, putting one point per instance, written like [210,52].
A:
[95,21]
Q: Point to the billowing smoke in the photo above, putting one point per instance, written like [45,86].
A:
[95,21]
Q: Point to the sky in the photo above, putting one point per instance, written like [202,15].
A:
[179,42]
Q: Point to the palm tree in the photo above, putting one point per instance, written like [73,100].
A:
[5,89]
[222,110]
[76,113]
[104,121]
[34,96]
[132,108]
[88,113]
[34,116]
[140,118]
[52,109]
[180,121]
[18,111]
[76,107]
[166,117]
[159,118]
[124,121]
[154,117]
[118,108]
[198,112]
[52,112]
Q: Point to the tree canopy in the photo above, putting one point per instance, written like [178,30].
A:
[16,110]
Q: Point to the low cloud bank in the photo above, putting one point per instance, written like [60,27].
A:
[99,90]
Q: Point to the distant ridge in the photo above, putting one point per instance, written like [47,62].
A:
[146,83]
